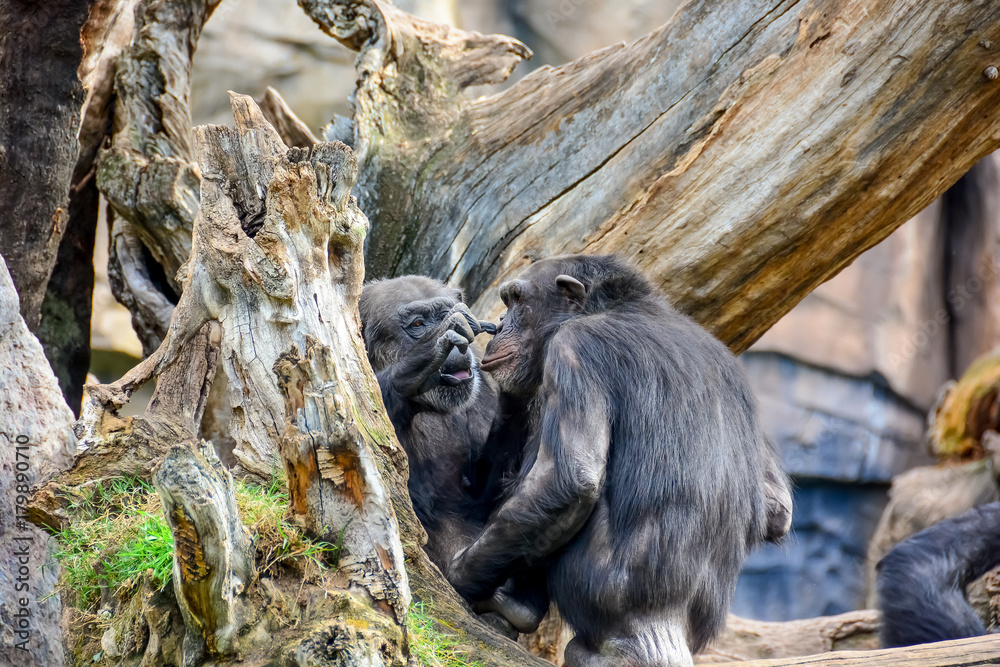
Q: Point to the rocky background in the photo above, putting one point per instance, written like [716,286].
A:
[845,380]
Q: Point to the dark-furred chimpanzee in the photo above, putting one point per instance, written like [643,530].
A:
[921,582]
[461,441]
[647,477]
[417,332]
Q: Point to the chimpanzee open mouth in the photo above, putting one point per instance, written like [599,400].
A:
[457,374]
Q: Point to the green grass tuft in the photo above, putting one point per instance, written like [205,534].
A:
[430,646]
[118,533]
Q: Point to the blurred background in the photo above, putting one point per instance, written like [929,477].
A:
[845,381]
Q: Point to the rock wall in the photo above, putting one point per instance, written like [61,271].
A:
[35,440]
[845,382]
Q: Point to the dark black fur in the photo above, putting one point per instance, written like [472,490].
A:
[921,582]
[647,478]
[454,477]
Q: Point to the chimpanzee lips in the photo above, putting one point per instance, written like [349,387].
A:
[456,377]
[489,363]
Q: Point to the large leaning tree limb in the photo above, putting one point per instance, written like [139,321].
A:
[741,154]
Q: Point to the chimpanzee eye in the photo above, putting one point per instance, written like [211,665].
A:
[417,324]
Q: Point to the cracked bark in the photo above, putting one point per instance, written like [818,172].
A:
[38,146]
[148,174]
[64,326]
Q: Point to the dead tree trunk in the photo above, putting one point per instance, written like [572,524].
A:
[741,154]
[277,264]
[41,112]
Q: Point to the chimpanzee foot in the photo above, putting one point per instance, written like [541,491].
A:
[522,616]
[500,624]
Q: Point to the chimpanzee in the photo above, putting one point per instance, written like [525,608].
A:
[417,332]
[462,442]
[921,582]
[647,477]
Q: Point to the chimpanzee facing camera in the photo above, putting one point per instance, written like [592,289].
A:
[461,442]
[417,332]
[647,477]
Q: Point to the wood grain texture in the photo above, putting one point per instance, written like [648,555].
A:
[965,652]
[334,486]
[213,552]
[741,154]
[149,173]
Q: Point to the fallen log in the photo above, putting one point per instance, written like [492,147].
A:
[959,652]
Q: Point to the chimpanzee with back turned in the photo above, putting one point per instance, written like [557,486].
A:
[449,420]
[647,477]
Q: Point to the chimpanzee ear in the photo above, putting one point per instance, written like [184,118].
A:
[458,295]
[571,288]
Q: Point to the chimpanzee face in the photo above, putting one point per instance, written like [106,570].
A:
[459,375]
[537,304]
[398,314]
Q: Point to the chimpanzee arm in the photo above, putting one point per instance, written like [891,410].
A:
[555,497]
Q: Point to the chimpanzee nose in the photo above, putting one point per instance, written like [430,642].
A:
[457,368]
